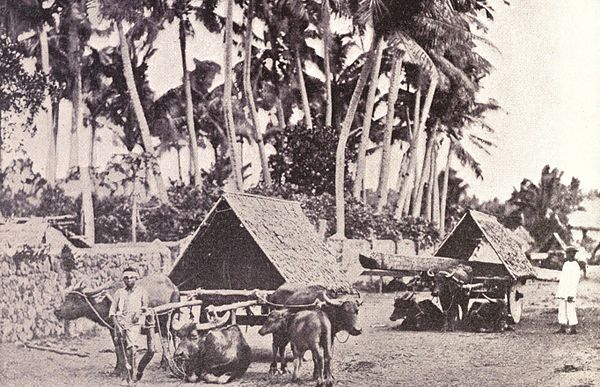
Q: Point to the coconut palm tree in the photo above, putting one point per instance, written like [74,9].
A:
[367,120]
[249,93]
[78,21]
[36,15]
[120,13]
[227,102]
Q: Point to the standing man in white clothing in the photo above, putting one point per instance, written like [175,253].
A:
[567,292]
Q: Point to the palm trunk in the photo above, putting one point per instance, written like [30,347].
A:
[414,155]
[384,174]
[84,135]
[423,176]
[435,191]
[227,103]
[189,107]
[403,171]
[326,42]
[368,118]
[52,159]
[179,175]
[340,154]
[139,112]
[1,143]
[134,210]
[445,193]
[303,92]
[405,192]
[49,116]
[280,114]
[73,147]
[418,158]
[429,186]
[250,97]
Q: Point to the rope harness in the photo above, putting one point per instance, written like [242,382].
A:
[87,300]
[173,367]
[117,329]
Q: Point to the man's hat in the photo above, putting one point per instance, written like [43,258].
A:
[571,249]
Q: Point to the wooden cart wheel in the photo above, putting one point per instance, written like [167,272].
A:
[515,301]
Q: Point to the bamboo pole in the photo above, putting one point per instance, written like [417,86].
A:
[55,350]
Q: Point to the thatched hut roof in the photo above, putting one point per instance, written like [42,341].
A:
[31,232]
[476,227]
[267,232]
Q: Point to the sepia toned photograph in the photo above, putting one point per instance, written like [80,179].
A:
[299,193]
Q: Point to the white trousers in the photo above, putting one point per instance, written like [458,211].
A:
[567,314]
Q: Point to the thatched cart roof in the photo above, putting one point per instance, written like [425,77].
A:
[553,242]
[279,228]
[475,227]
[524,238]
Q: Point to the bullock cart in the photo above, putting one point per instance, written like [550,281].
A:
[211,303]
[490,281]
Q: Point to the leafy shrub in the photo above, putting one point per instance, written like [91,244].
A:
[306,159]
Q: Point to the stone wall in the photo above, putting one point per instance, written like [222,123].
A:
[33,280]
[349,249]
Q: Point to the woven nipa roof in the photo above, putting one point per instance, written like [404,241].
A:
[475,226]
[31,232]
[279,228]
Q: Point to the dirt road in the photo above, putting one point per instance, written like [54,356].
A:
[531,355]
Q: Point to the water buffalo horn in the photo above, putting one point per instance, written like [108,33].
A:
[489,299]
[359,302]
[446,274]
[95,291]
[430,273]
[216,323]
[330,301]
[76,286]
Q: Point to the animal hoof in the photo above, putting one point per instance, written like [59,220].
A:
[192,378]
[273,370]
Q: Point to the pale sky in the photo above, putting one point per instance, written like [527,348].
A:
[547,80]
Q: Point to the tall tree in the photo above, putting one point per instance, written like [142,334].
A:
[249,94]
[120,13]
[340,158]
[326,32]
[22,93]
[78,21]
[184,30]
[384,171]
[361,159]
[227,103]
[36,16]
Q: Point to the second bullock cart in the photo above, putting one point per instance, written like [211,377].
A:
[500,266]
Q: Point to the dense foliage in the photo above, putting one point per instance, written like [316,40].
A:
[306,158]
[363,222]
[22,92]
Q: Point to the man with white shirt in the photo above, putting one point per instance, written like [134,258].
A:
[126,314]
[567,292]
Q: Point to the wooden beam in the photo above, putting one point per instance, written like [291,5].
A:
[387,273]
[234,306]
[175,305]
[407,263]
[55,350]
[224,292]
